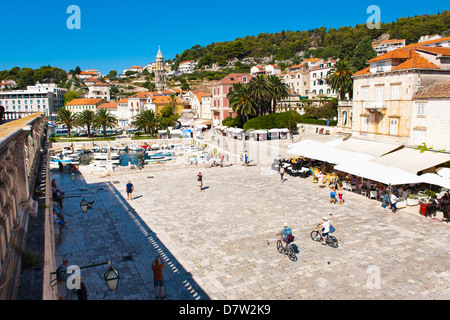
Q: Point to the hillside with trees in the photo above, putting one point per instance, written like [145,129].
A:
[291,47]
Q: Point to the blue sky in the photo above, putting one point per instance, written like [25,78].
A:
[116,34]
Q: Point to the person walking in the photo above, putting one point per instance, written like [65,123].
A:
[282,171]
[341,193]
[157,267]
[129,189]
[333,195]
[200,181]
[393,198]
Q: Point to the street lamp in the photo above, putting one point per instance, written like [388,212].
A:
[84,205]
[112,278]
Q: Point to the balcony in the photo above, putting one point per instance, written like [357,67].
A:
[374,105]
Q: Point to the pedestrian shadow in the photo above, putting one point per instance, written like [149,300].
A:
[204,188]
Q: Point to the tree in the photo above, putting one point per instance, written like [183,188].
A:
[85,119]
[147,120]
[241,102]
[278,90]
[103,119]
[71,95]
[67,118]
[340,78]
[363,52]
[259,92]
[112,75]
[167,117]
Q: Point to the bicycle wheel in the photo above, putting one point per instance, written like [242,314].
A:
[280,246]
[332,242]
[315,235]
[291,254]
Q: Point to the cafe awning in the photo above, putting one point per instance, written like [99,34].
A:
[412,160]
[376,172]
[373,148]
[325,152]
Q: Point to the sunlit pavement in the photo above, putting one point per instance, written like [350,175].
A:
[220,243]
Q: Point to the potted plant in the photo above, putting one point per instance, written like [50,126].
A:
[401,203]
[412,200]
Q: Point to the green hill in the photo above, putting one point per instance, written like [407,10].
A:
[319,42]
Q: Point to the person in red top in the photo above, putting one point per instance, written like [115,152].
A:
[157,267]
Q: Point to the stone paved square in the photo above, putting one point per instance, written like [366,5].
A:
[220,243]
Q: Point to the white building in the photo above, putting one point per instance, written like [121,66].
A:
[100,90]
[79,105]
[7,84]
[136,69]
[41,97]
[268,69]
[123,113]
[318,79]
[396,98]
[187,66]
[388,45]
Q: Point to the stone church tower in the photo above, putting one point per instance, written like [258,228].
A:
[160,72]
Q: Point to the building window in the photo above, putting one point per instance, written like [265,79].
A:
[395,92]
[393,127]
[365,94]
[421,109]
[379,67]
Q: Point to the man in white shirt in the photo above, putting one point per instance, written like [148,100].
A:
[394,201]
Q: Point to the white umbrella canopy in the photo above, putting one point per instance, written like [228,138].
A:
[435,179]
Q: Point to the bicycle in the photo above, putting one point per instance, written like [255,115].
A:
[289,251]
[316,235]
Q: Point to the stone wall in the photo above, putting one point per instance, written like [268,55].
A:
[20,146]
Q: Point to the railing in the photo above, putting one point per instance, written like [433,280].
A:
[9,116]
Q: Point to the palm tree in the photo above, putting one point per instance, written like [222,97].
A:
[260,93]
[241,101]
[278,90]
[85,119]
[340,78]
[147,120]
[66,117]
[104,119]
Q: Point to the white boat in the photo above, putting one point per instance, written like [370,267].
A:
[65,158]
[79,150]
[95,149]
[119,148]
[134,147]
[100,156]
[67,150]
[159,159]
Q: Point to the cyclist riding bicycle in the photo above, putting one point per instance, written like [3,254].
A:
[285,234]
[325,226]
